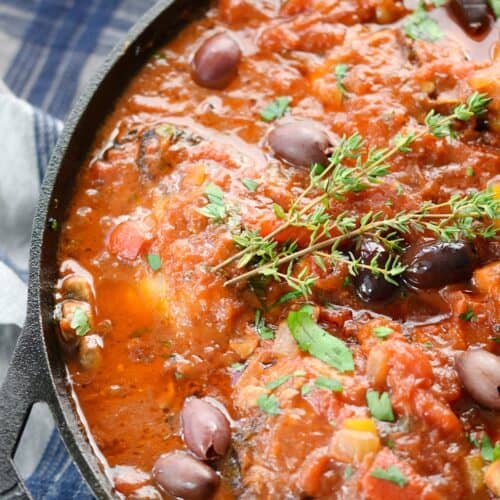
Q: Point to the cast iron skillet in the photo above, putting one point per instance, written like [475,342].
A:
[37,371]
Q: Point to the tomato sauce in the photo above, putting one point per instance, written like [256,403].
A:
[161,326]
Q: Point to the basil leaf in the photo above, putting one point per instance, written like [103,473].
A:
[313,339]
[80,322]
[380,405]
[392,474]
[269,404]
[276,109]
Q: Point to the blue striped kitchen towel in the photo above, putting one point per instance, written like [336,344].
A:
[48,50]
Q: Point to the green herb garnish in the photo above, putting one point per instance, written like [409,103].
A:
[80,322]
[250,184]
[305,389]
[262,329]
[319,343]
[468,315]
[420,26]
[237,367]
[495,7]
[469,172]
[279,381]
[215,208]
[340,74]
[392,474]
[382,332]
[276,109]
[154,261]
[488,451]
[329,384]
[268,404]
[380,405]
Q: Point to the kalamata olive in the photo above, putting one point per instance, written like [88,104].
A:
[300,143]
[472,14]
[479,371]
[205,428]
[369,286]
[439,263]
[215,63]
[181,475]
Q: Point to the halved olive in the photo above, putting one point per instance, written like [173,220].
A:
[300,143]
[181,475]
[479,371]
[439,263]
[205,428]
[215,63]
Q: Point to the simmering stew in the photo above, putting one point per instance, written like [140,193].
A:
[280,272]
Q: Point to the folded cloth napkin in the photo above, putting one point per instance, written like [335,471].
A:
[48,49]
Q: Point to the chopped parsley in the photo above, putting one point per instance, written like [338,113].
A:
[348,472]
[468,315]
[178,375]
[495,339]
[340,73]
[380,405]
[469,171]
[154,261]
[284,378]
[268,404]
[427,344]
[329,384]
[80,322]
[53,224]
[250,184]
[392,474]
[382,332]
[276,109]
[488,451]
[419,25]
[261,328]
[215,208]
[237,367]
[279,381]
[305,389]
[346,282]
[319,343]
[495,7]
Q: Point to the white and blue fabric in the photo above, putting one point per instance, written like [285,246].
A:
[48,50]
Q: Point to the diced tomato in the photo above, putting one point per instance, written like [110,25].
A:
[127,239]
[436,414]
[382,489]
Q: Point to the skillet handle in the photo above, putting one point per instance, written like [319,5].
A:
[23,386]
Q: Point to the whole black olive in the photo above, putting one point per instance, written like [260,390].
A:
[369,286]
[479,371]
[205,429]
[300,143]
[439,263]
[181,475]
[472,14]
[215,63]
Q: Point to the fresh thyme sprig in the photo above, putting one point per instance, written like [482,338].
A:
[459,216]
[337,179]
